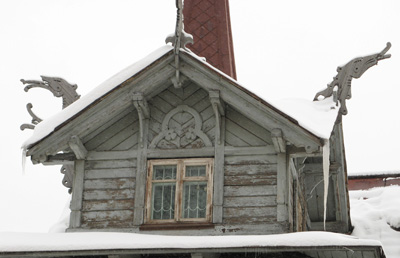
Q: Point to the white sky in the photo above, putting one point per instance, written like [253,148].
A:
[283,49]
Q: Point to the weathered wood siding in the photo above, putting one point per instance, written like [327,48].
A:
[250,190]
[314,187]
[243,132]
[120,133]
[108,193]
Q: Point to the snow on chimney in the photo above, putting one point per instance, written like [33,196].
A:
[209,23]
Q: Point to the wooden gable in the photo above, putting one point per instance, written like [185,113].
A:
[255,148]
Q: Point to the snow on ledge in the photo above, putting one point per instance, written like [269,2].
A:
[30,242]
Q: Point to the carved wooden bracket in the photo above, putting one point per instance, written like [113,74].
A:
[143,110]
[181,135]
[77,147]
[219,111]
[278,141]
[68,172]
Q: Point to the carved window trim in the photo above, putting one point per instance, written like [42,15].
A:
[181,165]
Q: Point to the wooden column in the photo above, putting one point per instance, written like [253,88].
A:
[77,195]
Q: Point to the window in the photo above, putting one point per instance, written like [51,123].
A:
[179,190]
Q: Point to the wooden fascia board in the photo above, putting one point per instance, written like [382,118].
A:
[154,75]
[248,103]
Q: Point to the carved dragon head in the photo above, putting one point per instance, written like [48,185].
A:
[361,64]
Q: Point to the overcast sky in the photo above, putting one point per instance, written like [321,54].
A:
[283,49]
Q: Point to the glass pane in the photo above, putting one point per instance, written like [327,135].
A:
[164,172]
[163,201]
[195,171]
[194,199]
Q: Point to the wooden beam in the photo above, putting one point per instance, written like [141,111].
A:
[77,147]
[77,194]
[278,141]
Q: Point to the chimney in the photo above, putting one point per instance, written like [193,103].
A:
[209,23]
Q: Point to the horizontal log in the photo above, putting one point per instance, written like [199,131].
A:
[110,173]
[258,190]
[249,220]
[109,194]
[258,169]
[245,151]
[250,160]
[108,224]
[119,215]
[96,164]
[116,183]
[253,201]
[111,155]
[250,180]
[249,212]
[108,205]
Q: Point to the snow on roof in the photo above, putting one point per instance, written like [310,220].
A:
[31,242]
[375,214]
[47,126]
[317,117]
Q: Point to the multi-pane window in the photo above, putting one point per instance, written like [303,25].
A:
[179,190]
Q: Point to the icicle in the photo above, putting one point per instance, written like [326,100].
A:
[23,160]
[325,166]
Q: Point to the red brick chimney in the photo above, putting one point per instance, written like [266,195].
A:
[209,23]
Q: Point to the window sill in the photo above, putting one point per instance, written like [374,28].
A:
[176,226]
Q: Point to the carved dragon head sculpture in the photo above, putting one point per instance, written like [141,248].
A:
[353,69]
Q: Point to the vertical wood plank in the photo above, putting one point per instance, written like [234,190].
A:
[218,195]
[77,194]
[282,185]
[140,192]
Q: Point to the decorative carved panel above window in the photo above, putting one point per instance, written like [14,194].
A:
[181,128]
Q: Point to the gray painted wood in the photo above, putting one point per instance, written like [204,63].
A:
[104,205]
[249,190]
[109,183]
[99,164]
[140,187]
[109,194]
[253,201]
[219,160]
[249,106]
[77,193]
[110,173]
[249,212]
[282,188]
[117,101]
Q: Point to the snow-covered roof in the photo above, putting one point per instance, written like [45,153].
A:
[37,242]
[316,117]
[375,214]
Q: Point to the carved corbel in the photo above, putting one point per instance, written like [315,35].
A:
[143,110]
[219,112]
[77,147]
[278,141]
